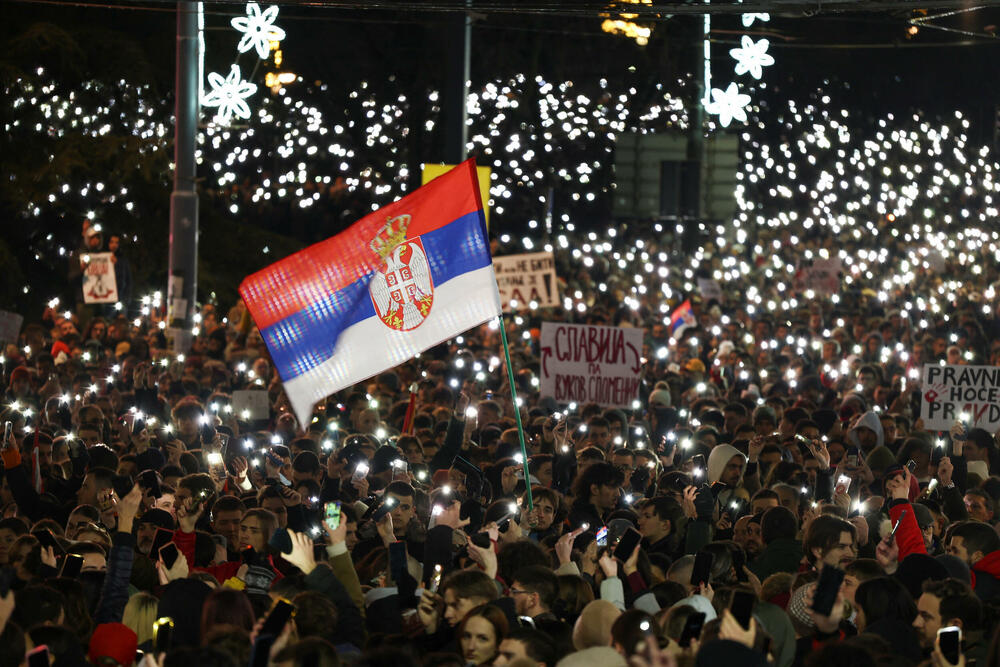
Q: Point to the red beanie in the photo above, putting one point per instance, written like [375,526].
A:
[115,641]
[19,373]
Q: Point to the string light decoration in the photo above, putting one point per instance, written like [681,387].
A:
[258,29]
[230,93]
[751,58]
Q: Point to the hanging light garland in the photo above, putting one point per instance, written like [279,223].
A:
[229,93]
[751,58]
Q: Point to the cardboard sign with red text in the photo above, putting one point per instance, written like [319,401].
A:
[968,393]
[585,363]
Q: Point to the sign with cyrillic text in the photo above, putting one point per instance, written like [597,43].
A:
[584,363]
[527,280]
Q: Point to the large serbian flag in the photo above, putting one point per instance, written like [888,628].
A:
[405,278]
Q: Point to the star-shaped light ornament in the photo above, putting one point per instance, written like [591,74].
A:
[229,94]
[752,57]
[748,19]
[258,29]
[729,105]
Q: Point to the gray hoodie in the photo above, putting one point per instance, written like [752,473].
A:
[868,420]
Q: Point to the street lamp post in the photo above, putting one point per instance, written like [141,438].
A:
[183,278]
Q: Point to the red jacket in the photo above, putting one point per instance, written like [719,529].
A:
[222,571]
[909,536]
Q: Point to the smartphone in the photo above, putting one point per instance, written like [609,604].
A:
[162,538]
[911,465]
[702,570]
[692,628]
[853,457]
[950,642]
[825,595]
[331,514]
[150,480]
[844,481]
[387,506]
[602,536]
[698,465]
[892,535]
[280,612]
[163,631]
[802,439]
[169,553]
[260,652]
[8,429]
[138,423]
[72,564]
[739,562]
[627,544]
[741,607]
[436,579]
[273,459]
[360,472]
[47,539]
[38,656]
[281,541]
[397,561]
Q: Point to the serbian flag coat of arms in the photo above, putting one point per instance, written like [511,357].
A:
[408,276]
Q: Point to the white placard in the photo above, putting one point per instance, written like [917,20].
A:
[585,363]
[526,278]
[99,284]
[710,289]
[970,393]
[822,276]
[251,405]
[10,326]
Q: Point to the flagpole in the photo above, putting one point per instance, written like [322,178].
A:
[517,413]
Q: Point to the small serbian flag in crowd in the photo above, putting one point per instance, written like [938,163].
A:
[397,282]
[681,319]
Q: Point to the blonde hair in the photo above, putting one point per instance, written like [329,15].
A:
[139,615]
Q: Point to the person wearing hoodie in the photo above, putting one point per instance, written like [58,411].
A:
[867,432]
[978,545]
[727,468]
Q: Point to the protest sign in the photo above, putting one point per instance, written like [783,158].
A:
[710,289]
[591,364]
[251,404]
[99,285]
[10,326]
[822,276]
[969,393]
[526,278]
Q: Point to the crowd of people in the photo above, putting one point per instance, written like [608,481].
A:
[772,496]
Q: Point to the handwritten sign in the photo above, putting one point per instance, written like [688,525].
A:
[821,276]
[526,279]
[585,363]
[99,284]
[969,393]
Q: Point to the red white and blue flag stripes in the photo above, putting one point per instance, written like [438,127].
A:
[397,282]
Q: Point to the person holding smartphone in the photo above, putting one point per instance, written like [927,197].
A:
[950,603]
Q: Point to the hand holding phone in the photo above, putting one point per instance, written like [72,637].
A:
[627,544]
[741,607]
[692,628]
[331,514]
[949,641]
[827,589]
[702,570]
[279,615]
